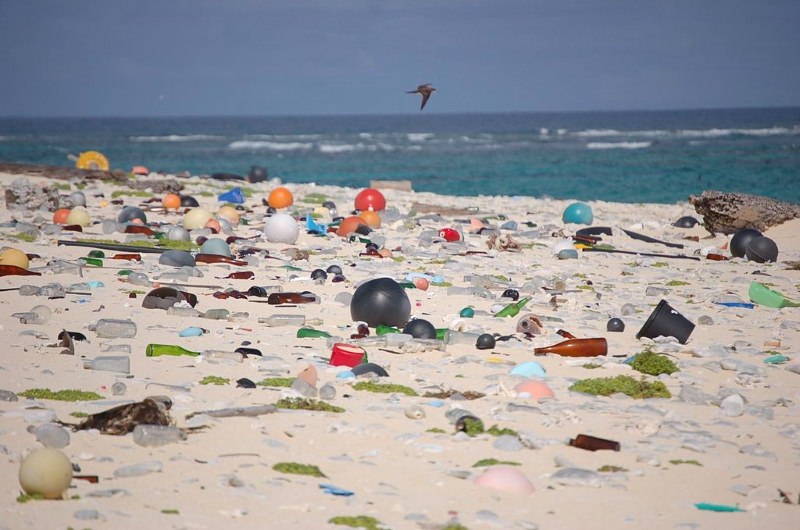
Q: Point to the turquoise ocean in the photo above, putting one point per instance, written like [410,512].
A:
[635,156]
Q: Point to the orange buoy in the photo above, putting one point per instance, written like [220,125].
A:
[372,219]
[60,216]
[350,225]
[140,170]
[171,201]
[280,197]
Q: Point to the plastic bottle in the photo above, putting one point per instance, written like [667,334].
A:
[109,363]
[576,348]
[460,337]
[304,297]
[50,435]
[511,310]
[157,435]
[111,328]
[159,350]
[39,314]
[283,320]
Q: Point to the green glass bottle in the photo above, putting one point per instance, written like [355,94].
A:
[307,333]
[158,350]
[511,310]
[441,332]
[96,262]
[383,329]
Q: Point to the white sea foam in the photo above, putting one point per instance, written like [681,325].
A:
[176,138]
[284,137]
[342,148]
[419,137]
[618,145]
[269,146]
[718,133]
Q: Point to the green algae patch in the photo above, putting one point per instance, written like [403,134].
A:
[494,462]
[28,238]
[494,430]
[676,283]
[470,425]
[295,468]
[356,521]
[611,469]
[651,363]
[170,511]
[60,395]
[314,198]
[116,194]
[277,381]
[384,388]
[444,394]
[28,497]
[436,430]
[307,404]
[624,384]
[78,414]
[215,380]
[689,462]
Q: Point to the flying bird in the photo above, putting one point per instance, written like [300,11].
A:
[426,90]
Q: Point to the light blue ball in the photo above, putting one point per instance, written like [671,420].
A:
[578,213]
[216,246]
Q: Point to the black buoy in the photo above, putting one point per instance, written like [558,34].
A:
[257,174]
[380,301]
[485,341]
[741,239]
[762,249]
[615,325]
[420,329]
[686,221]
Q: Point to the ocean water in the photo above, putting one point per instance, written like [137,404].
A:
[647,156]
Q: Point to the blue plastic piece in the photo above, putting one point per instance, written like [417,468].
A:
[192,331]
[235,196]
[345,374]
[529,369]
[314,227]
[330,489]
[746,305]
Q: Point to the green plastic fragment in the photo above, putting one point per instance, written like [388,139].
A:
[776,359]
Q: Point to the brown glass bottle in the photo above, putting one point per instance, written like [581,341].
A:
[304,297]
[593,443]
[216,258]
[576,348]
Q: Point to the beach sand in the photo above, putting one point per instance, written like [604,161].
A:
[417,472]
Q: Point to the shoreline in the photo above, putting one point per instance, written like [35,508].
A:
[400,456]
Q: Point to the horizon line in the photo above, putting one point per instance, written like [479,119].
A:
[339,115]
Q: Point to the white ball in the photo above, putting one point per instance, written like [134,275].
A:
[47,472]
[77,198]
[281,228]
[196,218]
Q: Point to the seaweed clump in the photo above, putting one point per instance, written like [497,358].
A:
[277,381]
[384,388]
[624,384]
[307,404]
[215,380]
[357,521]
[60,395]
[298,469]
[494,462]
[650,363]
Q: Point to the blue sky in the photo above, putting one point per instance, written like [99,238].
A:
[262,57]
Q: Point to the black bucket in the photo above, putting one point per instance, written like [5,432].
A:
[665,321]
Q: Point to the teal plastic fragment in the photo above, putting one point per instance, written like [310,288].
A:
[776,359]
[717,507]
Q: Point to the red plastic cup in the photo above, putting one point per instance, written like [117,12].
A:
[347,355]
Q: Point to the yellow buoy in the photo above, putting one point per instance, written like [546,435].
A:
[92,160]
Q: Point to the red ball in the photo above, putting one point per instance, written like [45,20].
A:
[370,199]
[449,234]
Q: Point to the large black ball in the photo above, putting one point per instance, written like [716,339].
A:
[741,239]
[420,329]
[381,301]
[615,325]
[485,342]
[761,249]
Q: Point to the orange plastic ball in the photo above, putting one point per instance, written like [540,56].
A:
[214,225]
[372,219]
[349,225]
[370,199]
[280,197]
[171,201]
[60,216]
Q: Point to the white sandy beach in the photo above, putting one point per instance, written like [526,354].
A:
[675,452]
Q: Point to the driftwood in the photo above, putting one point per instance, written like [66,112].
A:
[729,212]
[62,172]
